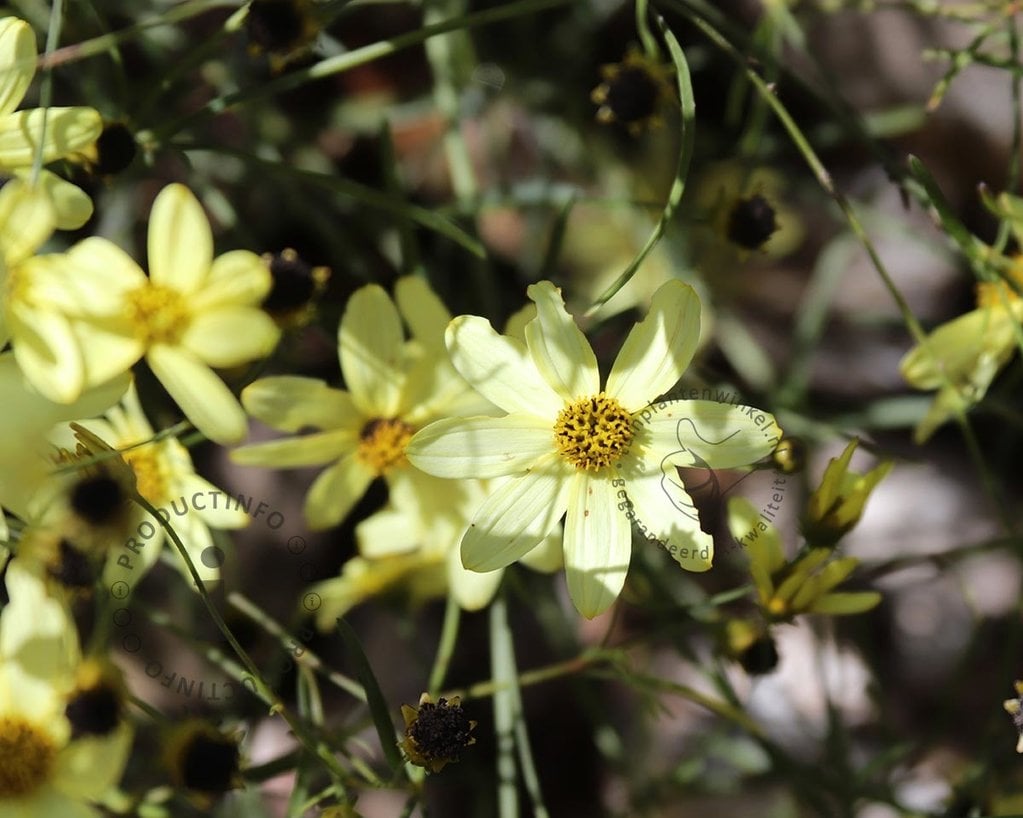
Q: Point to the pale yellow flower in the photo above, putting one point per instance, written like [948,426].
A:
[395,387]
[47,770]
[192,313]
[606,456]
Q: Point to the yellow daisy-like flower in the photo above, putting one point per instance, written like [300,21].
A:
[165,476]
[962,357]
[193,312]
[48,768]
[605,456]
[68,130]
[395,387]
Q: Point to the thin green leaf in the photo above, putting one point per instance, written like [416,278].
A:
[378,708]
[955,228]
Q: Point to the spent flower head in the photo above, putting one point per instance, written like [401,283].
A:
[634,92]
[436,733]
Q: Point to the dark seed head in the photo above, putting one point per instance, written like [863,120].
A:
[441,731]
[275,25]
[98,499]
[94,711]
[115,148]
[761,657]
[751,222]
[209,762]
[71,568]
[631,94]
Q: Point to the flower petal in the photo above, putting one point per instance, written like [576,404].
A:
[296,452]
[334,492]
[230,336]
[47,352]
[370,343]
[549,555]
[96,278]
[72,205]
[472,590]
[954,350]
[665,514]
[291,403]
[480,446]
[180,247]
[706,434]
[18,61]
[658,349]
[213,506]
[26,220]
[516,516]
[423,311]
[237,278]
[107,353]
[598,544]
[499,368]
[558,347]
[387,533]
[202,396]
[68,130]
[89,766]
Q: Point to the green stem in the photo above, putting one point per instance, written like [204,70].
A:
[276,706]
[448,638]
[502,667]
[306,658]
[46,91]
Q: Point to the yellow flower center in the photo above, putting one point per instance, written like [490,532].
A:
[158,314]
[26,757]
[382,444]
[998,293]
[150,473]
[593,432]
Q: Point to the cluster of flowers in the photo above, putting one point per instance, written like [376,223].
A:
[486,442]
